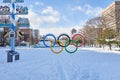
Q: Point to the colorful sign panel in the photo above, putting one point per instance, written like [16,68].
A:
[10,1]
[23,22]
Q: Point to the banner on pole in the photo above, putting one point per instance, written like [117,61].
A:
[23,22]
[5,22]
[10,1]
[21,10]
[5,10]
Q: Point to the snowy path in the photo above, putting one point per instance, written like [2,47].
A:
[42,64]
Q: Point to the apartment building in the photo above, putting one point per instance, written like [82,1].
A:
[111,16]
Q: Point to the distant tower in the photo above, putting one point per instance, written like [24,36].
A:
[73,31]
[36,33]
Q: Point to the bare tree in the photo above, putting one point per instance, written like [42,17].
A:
[92,29]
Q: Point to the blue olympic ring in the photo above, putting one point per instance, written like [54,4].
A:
[46,37]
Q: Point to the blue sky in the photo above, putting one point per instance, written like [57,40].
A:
[50,15]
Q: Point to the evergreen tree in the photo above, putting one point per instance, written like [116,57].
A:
[107,37]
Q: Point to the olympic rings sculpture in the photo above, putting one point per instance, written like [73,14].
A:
[77,40]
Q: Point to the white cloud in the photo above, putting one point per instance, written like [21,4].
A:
[50,19]
[50,10]
[88,10]
[30,6]
[77,8]
[50,15]
[38,3]
[34,19]
[65,18]
[93,11]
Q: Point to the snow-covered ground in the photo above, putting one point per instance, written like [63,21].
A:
[42,64]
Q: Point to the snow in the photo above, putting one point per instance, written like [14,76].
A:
[42,64]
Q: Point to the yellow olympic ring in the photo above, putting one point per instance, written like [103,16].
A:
[60,49]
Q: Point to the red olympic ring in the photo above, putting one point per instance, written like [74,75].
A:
[80,36]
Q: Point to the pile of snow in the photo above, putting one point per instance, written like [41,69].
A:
[104,50]
[42,64]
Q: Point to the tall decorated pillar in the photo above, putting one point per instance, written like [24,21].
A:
[21,22]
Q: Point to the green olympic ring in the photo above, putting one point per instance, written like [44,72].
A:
[76,44]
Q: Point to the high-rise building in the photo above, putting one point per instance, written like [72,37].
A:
[73,31]
[36,33]
[111,16]
[36,36]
